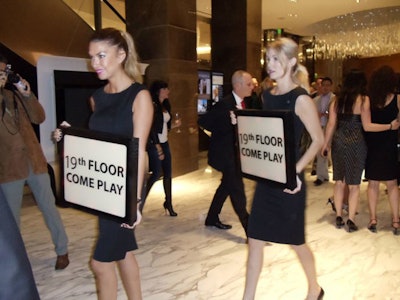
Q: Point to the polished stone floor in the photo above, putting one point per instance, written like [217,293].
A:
[180,258]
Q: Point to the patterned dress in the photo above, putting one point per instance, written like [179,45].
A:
[349,149]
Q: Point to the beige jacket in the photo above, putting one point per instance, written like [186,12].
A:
[19,146]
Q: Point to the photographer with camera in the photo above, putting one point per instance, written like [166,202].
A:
[22,159]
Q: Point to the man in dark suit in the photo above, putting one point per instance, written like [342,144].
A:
[222,153]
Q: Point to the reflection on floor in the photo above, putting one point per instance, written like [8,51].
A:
[182,259]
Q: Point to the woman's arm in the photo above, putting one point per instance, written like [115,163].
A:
[374,127]
[142,120]
[330,127]
[307,112]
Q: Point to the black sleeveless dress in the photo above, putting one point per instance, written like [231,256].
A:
[277,216]
[381,161]
[113,114]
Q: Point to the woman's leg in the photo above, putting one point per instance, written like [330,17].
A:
[106,279]
[393,193]
[338,193]
[354,197]
[254,265]
[154,169]
[166,164]
[373,191]
[130,276]
[307,261]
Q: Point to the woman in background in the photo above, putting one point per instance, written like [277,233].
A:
[123,106]
[277,215]
[382,161]
[158,147]
[349,117]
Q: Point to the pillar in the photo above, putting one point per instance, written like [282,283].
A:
[165,36]
[236,38]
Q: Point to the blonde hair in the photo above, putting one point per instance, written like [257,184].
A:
[124,41]
[288,49]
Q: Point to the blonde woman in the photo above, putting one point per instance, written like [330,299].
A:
[277,215]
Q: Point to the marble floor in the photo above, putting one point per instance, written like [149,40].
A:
[180,258]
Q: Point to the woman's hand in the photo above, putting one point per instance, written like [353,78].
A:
[137,222]
[176,123]
[324,151]
[57,134]
[160,152]
[395,124]
[297,189]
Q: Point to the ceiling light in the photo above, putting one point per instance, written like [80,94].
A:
[361,34]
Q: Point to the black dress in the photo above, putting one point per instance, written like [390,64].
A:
[382,146]
[277,216]
[113,114]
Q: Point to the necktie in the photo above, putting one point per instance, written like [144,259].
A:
[243,104]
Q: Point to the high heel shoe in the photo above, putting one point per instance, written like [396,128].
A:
[330,201]
[351,225]
[321,294]
[396,230]
[169,209]
[372,225]
[339,222]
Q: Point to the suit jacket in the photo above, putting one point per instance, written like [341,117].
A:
[19,146]
[253,101]
[222,149]
[16,278]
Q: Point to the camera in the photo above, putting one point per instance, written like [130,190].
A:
[12,77]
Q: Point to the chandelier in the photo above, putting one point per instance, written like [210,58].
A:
[360,34]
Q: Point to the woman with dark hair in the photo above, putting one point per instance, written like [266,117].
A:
[158,147]
[349,117]
[381,164]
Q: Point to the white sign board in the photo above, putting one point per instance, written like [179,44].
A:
[97,175]
[265,141]
[93,176]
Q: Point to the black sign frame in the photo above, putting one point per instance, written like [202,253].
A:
[289,145]
[132,148]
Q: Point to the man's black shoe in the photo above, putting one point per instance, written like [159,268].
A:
[219,225]
[318,182]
